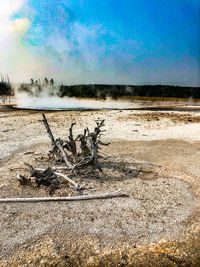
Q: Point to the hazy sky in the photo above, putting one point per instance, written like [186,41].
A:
[101,41]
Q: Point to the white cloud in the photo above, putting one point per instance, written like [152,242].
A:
[9,7]
[15,58]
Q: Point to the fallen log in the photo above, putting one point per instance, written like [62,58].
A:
[118,193]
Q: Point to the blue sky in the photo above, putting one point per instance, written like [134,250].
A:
[114,41]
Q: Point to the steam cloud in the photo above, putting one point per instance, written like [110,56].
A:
[46,102]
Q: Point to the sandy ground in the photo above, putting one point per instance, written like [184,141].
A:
[154,158]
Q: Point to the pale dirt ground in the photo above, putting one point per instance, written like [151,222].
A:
[154,158]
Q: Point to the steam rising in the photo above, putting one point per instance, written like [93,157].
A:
[47,102]
[31,53]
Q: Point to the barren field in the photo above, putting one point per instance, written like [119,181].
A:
[154,157]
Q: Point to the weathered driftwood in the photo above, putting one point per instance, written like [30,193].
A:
[71,144]
[72,154]
[41,177]
[46,177]
[57,144]
[64,154]
[48,129]
[118,193]
[89,145]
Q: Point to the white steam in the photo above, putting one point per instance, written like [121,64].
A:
[46,102]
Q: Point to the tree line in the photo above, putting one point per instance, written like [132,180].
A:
[102,91]
[5,86]
[116,91]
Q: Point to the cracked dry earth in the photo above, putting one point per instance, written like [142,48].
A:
[154,158]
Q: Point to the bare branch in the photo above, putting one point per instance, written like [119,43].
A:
[48,129]
[71,144]
[64,154]
[118,193]
[77,187]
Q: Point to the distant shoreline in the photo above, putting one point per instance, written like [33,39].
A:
[117,91]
